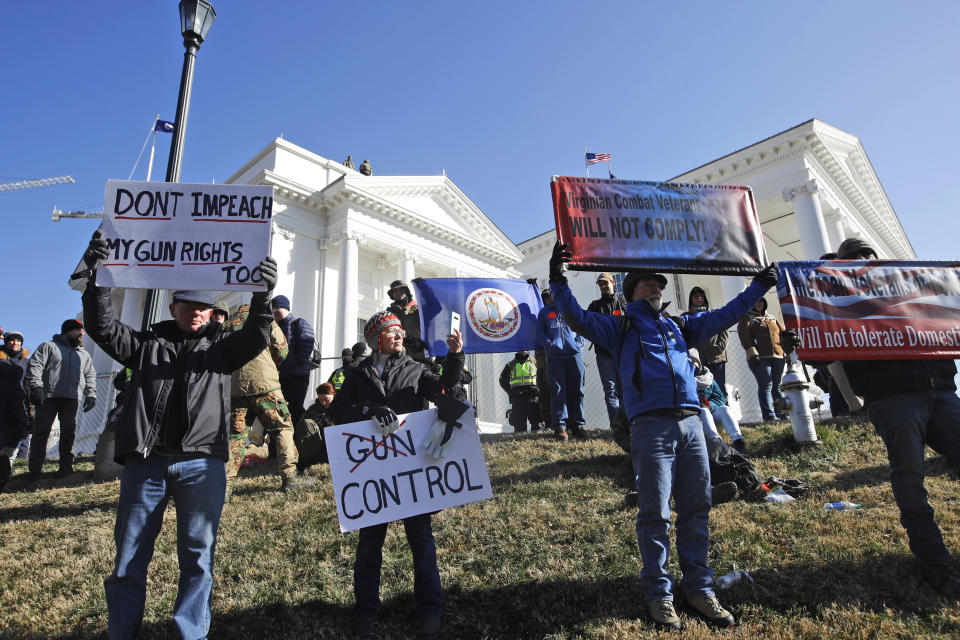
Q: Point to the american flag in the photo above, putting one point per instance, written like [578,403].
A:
[594,158]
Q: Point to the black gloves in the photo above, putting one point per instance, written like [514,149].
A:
[89,403]
[790,341]
[268,273]
[386,419]
[268,277]
[767,277]
[37,397]
[97,250]
[558,259]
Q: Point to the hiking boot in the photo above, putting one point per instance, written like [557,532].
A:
[561,434]
[664,615]
[709,609]
[741,446]
[295,483]
[34,476]
[429,626]
[63,472]
[724,492]
[364,626]
[579,433]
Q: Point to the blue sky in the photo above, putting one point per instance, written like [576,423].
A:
[501,95]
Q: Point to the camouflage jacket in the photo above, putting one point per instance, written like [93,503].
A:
[260,375]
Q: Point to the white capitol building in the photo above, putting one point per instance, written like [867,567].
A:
[340,237]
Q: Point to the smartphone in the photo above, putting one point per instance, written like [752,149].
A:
[454,321]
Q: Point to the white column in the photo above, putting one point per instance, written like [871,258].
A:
[131,311]
[731,286]
[813,232]
[407,266]
[349,273]
[835,232]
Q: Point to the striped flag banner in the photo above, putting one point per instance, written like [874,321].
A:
[872,309]
[594,158]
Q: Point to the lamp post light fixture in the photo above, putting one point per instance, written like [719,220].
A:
[196,18]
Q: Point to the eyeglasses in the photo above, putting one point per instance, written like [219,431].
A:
[395,331]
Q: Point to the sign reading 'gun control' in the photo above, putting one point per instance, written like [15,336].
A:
[618,225]
[379,479]
[174,235]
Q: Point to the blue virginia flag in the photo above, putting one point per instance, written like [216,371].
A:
[163,126]
[497,315]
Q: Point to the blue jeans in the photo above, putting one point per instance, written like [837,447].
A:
[197,487]
[670,457]
[610,381]
[768,373]
[426,577]
[906,422]
[565,377]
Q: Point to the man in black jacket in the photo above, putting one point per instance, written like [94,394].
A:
[609,303]
[172,438]
[911,403]
[385,384]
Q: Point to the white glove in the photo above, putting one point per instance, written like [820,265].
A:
[439,438]
[704,380]
[386,419]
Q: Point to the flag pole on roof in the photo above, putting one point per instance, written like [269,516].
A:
[585,163]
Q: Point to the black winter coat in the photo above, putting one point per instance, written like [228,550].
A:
[875,379]
[611,305]
[405,386]
[157,356]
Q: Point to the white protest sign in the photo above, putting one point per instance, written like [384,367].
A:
[380,479]
[175,235]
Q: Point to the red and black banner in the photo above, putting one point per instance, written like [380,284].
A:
[618,225]
[873,309]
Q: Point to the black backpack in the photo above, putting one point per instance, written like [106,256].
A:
[729,465]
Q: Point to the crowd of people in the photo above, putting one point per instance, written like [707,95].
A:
[194,384]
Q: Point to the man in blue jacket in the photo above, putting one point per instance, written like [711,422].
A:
[666,438]
[295,369]
[563,347]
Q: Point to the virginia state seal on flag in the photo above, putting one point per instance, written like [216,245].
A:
[492,314]
[501,313]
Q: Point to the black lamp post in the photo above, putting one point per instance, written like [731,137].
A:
[196,18]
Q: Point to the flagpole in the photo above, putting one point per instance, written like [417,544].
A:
[153,147]
[585,161]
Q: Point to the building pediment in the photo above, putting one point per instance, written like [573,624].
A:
[834,158]
[433,206]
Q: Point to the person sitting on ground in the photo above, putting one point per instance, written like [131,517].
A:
[714,405]
[666,436]
[308,432]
